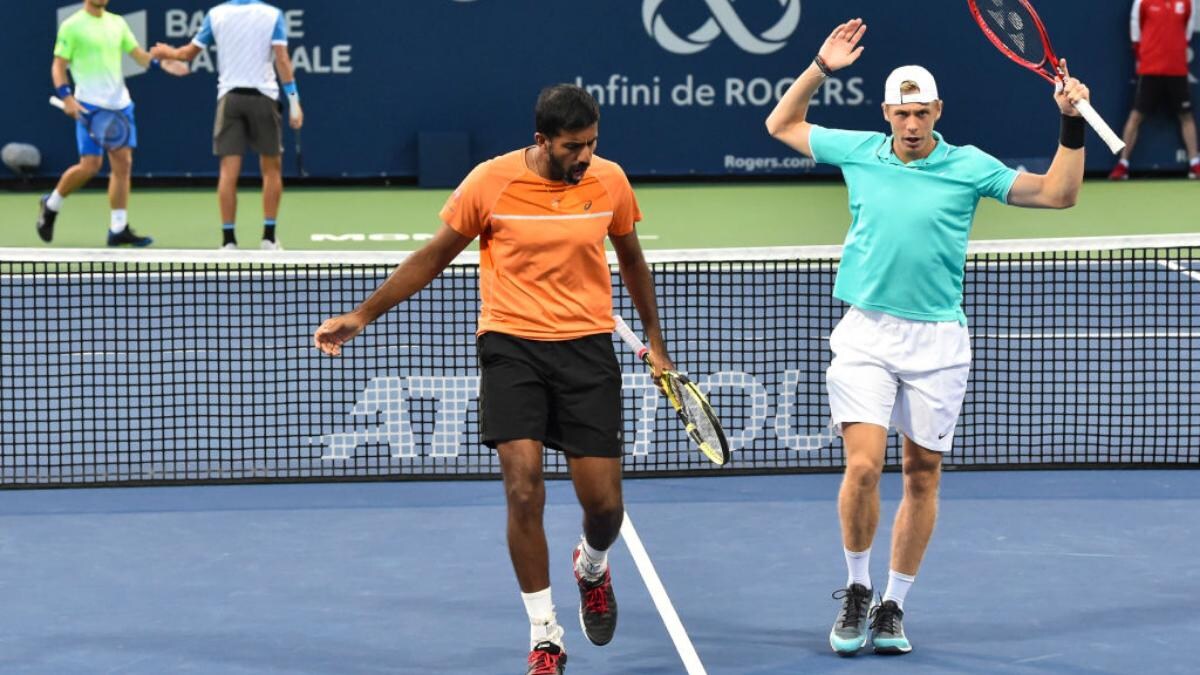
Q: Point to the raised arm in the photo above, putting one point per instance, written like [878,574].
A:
[635,273]
[1059,187]
[788,122]
[410,276]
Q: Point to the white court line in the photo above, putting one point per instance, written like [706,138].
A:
[683,644]
[1176,267]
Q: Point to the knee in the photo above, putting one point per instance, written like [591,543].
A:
[862,475]
[90,164]
[120,167]
[526,498]
[921,481]
[607,512]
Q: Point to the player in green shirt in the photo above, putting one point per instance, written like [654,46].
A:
[902,352]
[91,43]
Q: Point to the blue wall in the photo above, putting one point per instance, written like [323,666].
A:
[375,73]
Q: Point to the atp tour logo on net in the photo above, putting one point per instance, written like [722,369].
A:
[724,20]
[387,400]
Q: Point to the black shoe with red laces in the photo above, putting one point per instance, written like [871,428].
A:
[547,658]
[597,605]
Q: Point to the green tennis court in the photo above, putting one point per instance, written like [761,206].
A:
[676,216]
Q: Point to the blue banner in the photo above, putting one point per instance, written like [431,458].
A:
[685,85]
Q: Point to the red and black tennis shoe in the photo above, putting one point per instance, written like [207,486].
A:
[597,604]
[547,658]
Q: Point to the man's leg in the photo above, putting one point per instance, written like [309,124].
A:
[597,483]
[917,514]
[858,510]
[120,165]
[231,168]
[72,179]
[911,532]
[1187,129]
[1130,136]
[525,494]
[272,177]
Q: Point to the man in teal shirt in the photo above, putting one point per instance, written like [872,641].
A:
[902,353]
[91,43]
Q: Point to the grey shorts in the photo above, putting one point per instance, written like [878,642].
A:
[246,119]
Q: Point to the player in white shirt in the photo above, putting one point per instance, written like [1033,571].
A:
[252,45]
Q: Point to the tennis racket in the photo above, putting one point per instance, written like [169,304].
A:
[299,155]
[109,128]
[1018,32]
[689,402]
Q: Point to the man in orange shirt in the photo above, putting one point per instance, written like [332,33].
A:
[548,371]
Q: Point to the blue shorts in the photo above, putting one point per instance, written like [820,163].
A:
[87,145]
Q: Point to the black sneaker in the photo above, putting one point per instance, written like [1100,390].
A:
[849,633]
[45,221]
[597,604]
[547,658]
[887,629]
[127,237]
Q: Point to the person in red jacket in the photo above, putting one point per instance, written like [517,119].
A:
[1160,30]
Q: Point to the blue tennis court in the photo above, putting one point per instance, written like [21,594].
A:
[171,372]
[1029,572]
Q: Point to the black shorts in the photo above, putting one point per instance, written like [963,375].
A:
[1162,92]
[566,394]
[246,117]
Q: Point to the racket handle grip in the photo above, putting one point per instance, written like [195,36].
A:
[57,103]
[635,343]
[1110,138]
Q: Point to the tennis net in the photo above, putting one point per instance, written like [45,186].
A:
[161,367]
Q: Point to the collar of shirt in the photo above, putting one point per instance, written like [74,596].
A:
[939,153]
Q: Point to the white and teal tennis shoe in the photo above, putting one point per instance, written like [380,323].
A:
[887,629]
[849,634]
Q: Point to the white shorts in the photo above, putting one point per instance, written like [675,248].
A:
[900,373]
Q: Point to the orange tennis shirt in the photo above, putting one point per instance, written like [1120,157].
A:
[543,272]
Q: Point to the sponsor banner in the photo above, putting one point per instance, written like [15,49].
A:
[684,85]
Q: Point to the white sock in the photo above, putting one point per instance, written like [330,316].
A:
[897,588]
[1123,162]
[592,562]
[120,219]
[859,565]
[543,624]
[55,201]
[1195,161]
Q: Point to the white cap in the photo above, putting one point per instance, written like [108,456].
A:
[926,85]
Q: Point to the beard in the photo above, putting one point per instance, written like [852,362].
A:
[570,174]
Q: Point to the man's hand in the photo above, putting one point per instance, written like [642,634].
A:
[295,116]
[1068,91]
[173,67]
[335,332]
[72,109]
[841,48]
[162,51]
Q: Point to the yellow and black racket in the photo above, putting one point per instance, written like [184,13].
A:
[688,401]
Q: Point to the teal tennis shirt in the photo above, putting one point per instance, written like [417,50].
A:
[907,244]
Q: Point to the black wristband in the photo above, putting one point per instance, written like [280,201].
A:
[1072,132]
[821,66]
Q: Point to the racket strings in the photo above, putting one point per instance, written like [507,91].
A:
[698,416]
[1012,23]
[109,129]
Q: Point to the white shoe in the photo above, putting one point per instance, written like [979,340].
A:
[229,247]
[268,245]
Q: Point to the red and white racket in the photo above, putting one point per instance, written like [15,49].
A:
[1018,32]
